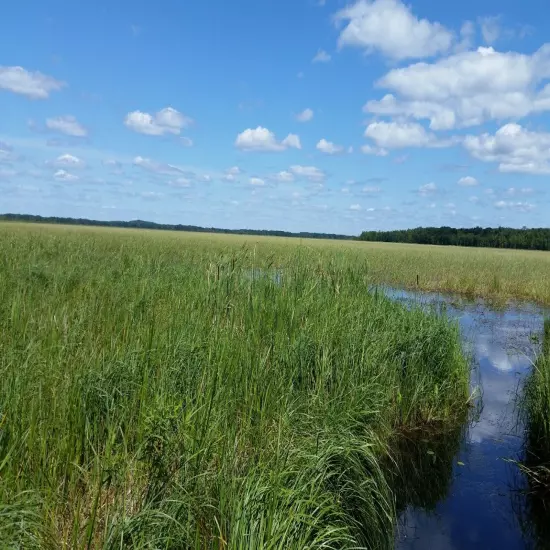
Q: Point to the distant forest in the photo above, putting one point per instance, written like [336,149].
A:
[140,224]
[500,237]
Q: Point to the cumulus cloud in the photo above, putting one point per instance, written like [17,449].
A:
[467,88]
[68,161]
[156,167]
[390,27]
[377,151]
[308,172]
[355,207]
[31,84]
[371,190]
[321,57]
[232,173]
[284,177]
[257,181]
[262,139]
[305,116]
[393,135]
[329,148]
[67,125]
[514,148]
[165,121]
[427,189]
[63,175]
[468,181]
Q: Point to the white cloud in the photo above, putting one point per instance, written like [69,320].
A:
[292,141]
[284,177]
[309,172]
[68,161]
[490,28]
[518,206]
[156,167]
[371,190]
[468,181]
[513,191]
[473,199]
[377,151]
[67,125]
[33,85]
[514,148]
[355,207]
[468,88]
[390,27]
[232,173]
[6,152]
[305,116]
[63,175]
[257,181]
[165,121]
[393,135]
[329,148]
[467,35]
[321,57]
[262,139]
[180,182]
[427,189]
[186,141]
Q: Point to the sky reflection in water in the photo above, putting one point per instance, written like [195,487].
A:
[480,509]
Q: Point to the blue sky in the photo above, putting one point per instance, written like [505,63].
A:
[302,115]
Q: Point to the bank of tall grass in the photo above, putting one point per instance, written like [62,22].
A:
[536,410]
[161,393]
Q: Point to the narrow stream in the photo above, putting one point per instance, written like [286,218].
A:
[471,495]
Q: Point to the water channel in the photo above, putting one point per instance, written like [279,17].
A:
[465,491]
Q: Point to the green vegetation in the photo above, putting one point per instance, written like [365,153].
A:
[141,224]
[536,412]
[536,406]
[498,237]
[170,391]
[495,274]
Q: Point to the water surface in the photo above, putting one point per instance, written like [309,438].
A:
[466,493]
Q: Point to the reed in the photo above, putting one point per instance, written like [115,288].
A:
[160,392]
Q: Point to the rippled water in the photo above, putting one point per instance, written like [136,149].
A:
[477,499]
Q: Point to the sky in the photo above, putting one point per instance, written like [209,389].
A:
[299,115]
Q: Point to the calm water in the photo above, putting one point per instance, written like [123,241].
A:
[462,492]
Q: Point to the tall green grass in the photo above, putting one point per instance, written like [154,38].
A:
[158,393]
[536,408]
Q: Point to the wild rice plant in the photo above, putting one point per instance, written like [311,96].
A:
[167,393]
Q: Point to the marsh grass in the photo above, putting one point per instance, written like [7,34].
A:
[155,395]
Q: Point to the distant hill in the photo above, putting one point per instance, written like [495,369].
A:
[140,224]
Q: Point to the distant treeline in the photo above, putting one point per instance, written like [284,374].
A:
[140,224]
[500,237]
